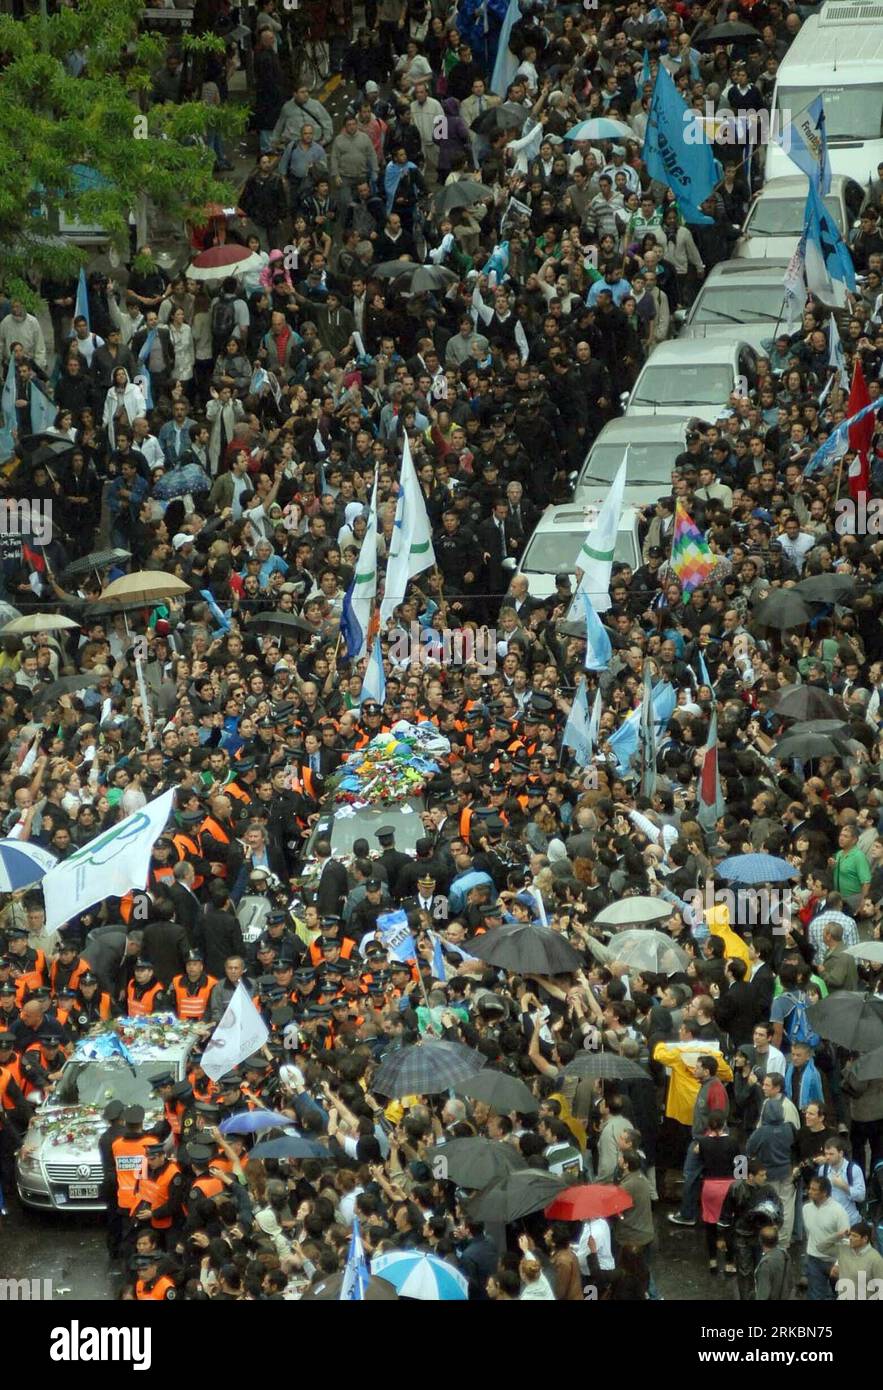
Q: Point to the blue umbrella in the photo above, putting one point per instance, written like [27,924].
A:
[756,868]
[290,1146]
[253,1121]
[187,477]
[22,864]
[601,128]
[415,1275]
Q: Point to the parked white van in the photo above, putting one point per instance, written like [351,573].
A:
[838,53]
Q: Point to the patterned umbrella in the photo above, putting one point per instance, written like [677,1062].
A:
[426,1068]
[608,1066]
[22,864]
[187,477]
[601,128]
[425,1277]
[756,868]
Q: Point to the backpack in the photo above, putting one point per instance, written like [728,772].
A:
[223,322]
[797,1025]
[874,1204]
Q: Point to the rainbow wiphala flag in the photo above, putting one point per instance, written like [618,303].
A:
[691,558]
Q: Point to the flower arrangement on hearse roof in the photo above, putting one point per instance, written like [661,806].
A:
[392,767]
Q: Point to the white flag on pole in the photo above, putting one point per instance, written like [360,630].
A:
[411,549]
[108,866]
[594,563]
[240,1032]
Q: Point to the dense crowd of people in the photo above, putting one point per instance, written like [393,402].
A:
[229,434]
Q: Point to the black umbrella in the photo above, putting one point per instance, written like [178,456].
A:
[730,32]
[426,1068]
[98,560]
[46,695]
[826,588]
[462,194]
[284,621]
[834,728]
[782,609]
[809,746]
[506,116]
[47,456]
[514,1195]
[607,1065]
[418,279]
[501,1092]
[30,443]
[525,949]
[849,1019]
[808,702]
[870,1067]
[328,1290]
[106,608]
[473,1162]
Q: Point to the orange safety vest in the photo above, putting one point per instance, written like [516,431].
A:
[188,849]
[465,823]
[208,1186]
[79,970]
[5,1078]
[346,949]
[135,1006]
[174,1114]
[39,966]
[234,789]
[217,832]
[24,984]
[302,781]
[161,1289]
[155,1191]
[130,1163]
[187,1004]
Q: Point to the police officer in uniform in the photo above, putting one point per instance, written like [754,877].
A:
[150,1284]
[393,859]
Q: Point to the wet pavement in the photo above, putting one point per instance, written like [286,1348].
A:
[71,1252]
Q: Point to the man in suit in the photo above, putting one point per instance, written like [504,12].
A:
[333,882]
[318,757]
[164,943]
[393,859]
[187,906]
[494,542]
[521,517]
[218,933]
[519,598]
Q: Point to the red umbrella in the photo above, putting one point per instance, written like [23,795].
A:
[219,261]
[589,1201]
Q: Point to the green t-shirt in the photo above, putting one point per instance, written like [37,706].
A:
[851,871]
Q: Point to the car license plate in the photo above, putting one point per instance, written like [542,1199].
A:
[82,1191]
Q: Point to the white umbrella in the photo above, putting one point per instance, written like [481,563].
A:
[37,622]
[649,950]
[634,912]
[220,261]
[867,950]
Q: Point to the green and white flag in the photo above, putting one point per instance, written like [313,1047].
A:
[411,549]
[358,605]
[594,563]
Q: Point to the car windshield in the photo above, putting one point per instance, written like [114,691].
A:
[851,113]
[348,824]
[112,1078]
[649,464]
[738,304]
[554,552]
[784,216]
[700,384]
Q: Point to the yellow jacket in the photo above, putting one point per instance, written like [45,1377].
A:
[718,922]
[683,1086]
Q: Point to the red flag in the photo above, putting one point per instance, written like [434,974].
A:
[860,434]
[35,558]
